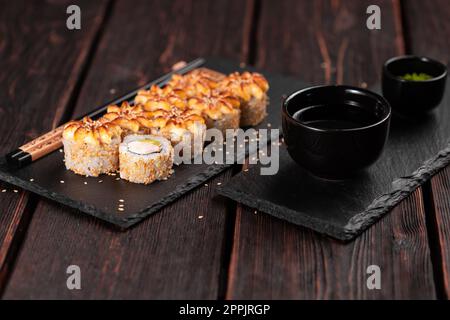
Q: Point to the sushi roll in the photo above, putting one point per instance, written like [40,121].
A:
[132,119]
[91,147]
[145,158]
[161,98]
[220,110]
[251,89]
[199,81]
[184,128]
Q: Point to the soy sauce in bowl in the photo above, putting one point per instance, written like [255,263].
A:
[335,116]
[335,131]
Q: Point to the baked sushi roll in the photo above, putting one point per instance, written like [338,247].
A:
[91,147]
[220,110]
[199,81]
[161,98]
[184,128]
[132,119]
[251,89]
[145,158]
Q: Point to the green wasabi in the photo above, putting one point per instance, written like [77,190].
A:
[416,76]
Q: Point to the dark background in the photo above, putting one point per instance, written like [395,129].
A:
[50,74]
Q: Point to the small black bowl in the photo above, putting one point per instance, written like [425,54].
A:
[413,98]
[335,131]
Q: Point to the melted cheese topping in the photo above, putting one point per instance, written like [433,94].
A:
[132,118]
[245,86]
[215,104]
[90,131]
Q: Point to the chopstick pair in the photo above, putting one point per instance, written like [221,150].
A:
[52,140]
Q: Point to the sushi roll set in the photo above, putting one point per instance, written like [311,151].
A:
[138,139]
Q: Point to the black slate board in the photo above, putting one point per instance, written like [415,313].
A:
[416,150]
[101,199]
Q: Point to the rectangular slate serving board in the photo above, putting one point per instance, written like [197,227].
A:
[415,151]
[100,196]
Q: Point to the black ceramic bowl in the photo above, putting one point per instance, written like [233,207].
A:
[413,97]
[335,131]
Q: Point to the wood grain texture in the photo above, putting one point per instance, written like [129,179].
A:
[428,34]
[174,253]
[274,260]
[40,62]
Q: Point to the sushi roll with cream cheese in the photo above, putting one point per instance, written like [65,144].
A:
[145,158]
[91,147]
[220,110]
[251,89]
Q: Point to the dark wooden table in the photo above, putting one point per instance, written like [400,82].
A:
[49,74]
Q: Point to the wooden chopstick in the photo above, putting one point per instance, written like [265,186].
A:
[52,140]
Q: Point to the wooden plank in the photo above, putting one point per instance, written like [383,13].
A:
[40,62]
[425,18]
[174,253]
[271,259]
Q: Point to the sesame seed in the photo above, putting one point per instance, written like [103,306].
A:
[206,184]
[117,178]
[245,170]
[240,146]
[121,200]
[269,125]
[15,190]
[200,217]
[113,174]
[255,212]
[4,190]
[100,181]
[121,205]
[219,183]
[31,180]
[62,181]
[60,150]
[85,182]
[120,209]
[112,91]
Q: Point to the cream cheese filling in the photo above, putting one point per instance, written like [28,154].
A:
[144,147]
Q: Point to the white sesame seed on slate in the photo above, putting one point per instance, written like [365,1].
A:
[200,217]
[206,184]
[15,190]
[31,179]
[121,200]
[255,212]
[219,183]
[85,182]
[100,181]
[62,181]
[60,150]
[4,190]
[120,209]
